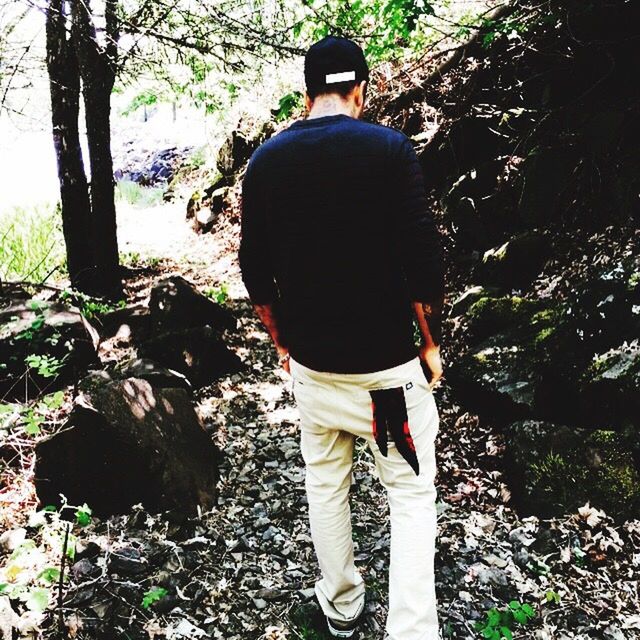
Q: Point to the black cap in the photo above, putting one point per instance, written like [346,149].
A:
[331,61]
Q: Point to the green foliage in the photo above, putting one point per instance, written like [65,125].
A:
[552,596]
[45,366]
[90,307]
[287,105]
[488,315]
[596,467]
[218,294]
[389,25]
[500,623]
[33,568]
[138,196]
[198,158]
[512,27]
[145,98]
[83,515]
[30,417]
[31,242]
[153,595]
[131,259]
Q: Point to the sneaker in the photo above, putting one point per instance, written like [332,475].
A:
[340,629]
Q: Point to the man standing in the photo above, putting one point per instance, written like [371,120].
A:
[338,253]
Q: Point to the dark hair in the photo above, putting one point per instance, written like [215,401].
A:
[341,88]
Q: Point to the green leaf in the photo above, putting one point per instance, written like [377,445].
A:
[83,515]
[515,605]
[4,587]
[49,574]
[153,595]
[54,400]
[37,599]
[520,616]
[506,633]
[529,610]
[493,617]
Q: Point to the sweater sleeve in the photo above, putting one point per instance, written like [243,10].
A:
[418,241]
[254,257]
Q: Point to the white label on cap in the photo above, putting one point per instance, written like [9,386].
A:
[340,77]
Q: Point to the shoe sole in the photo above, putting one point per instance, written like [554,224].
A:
[340,633]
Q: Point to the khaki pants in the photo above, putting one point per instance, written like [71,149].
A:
[334,408]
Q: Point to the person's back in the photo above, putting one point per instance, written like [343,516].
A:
[338,249]
[334,192]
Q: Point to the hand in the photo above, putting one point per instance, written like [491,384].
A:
[430,355]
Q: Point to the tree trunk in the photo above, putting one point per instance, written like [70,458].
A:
[64,84]
[98,71]
[97,106]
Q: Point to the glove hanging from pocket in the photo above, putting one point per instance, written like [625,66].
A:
[390,416]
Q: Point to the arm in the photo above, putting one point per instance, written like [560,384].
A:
[419,248]
[267,315]
[255,261]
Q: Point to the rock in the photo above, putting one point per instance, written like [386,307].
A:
[544,174]
[204,219]
[9,619]
[127,443]
[57,338]
[610,386]
[554,469]
[10,540]
[84,570]
[472,294]
[160,377]
[176,303]
[515,263]
[236,150]
[197,353]
[476,207]
[150,168]
[219,200]
[128,322]
[193,205]
[127,561]
[467,143]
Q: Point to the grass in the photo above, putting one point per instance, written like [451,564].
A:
[31,242]
[134,194]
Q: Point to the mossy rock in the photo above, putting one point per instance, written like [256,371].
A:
[470,295]
[489,315]
[554,469]
[515,263]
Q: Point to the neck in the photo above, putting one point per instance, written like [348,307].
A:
[331,105]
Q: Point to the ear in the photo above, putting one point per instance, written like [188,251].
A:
[361,93]
[308,101]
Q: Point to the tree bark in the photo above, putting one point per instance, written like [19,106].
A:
[64,84]
[98,72]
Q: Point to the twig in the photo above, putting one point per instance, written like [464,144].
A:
[63,562]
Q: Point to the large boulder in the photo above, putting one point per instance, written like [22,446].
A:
[199,353]
[236,150]
[127,442]
[176,304]
[515,263]
[42,343]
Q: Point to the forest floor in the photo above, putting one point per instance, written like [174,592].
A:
[246,569]
[574,571]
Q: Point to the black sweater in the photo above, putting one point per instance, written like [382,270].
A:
[336,233]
